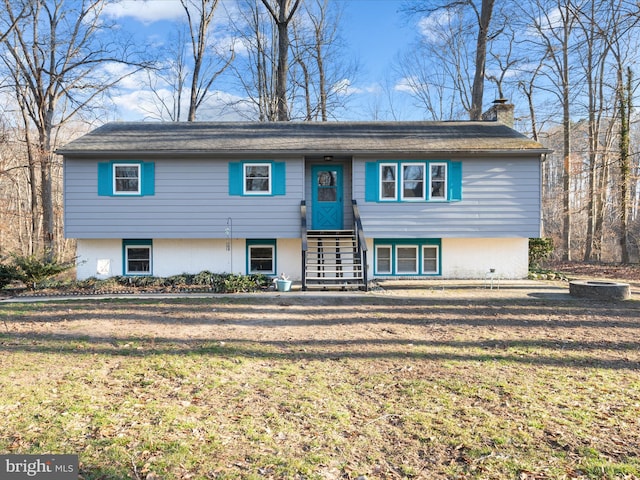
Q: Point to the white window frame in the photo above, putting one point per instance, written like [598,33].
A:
[390,249]
[245,166]
[126,260]
[383,181]
[115,179]
[422,165]
[273,258]
[437,250]
[416,270]
[446,180]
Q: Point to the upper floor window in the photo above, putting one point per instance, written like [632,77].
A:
[126,179]
[388,185]
[257,178]
[413,181]
[438,178]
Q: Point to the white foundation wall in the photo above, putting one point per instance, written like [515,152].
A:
[472,258]
[462,258]
[98,258]
[103,258]
[466,258]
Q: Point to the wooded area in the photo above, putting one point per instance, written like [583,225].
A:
[569,66]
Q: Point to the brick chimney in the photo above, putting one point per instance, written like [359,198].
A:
[500,111]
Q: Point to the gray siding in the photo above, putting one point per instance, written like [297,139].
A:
[191,201]
[500,198]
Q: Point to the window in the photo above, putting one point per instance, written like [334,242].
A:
[383,259]
[126,179]
[261,256]
[137,257]
[438,181]
[430,262]
[413,181]
[327,185]
[388,188]
[257,178]
[407,257]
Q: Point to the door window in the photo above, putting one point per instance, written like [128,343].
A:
[327,185]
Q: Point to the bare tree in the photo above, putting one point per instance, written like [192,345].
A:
[482,13]
[319,53]
[21,9]
[484,21]
[282,15]
[552,23]
[594,62]
[622,39]
[256,69]
[167,83]
[436,71]
[205,70]
[57,61]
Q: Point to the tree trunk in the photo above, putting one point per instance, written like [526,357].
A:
[601,202]
[566,146]
[321,74]
[283,66]
[282,18]
[625,168]
[477,92]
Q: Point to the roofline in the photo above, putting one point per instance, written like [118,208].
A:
[252,153]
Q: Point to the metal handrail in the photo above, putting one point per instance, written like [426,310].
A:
[303,234]
[362,242]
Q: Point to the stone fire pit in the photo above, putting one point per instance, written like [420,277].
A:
[599,290]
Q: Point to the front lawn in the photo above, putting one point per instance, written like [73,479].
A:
[360,386]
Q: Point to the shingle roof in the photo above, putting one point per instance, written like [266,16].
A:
[306,138]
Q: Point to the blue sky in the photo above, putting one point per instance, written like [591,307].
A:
[375,32]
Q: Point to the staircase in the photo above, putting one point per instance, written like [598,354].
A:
[333,260]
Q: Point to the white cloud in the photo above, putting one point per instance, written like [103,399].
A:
[430,26]
[145,105]
[146,11]
[406,85]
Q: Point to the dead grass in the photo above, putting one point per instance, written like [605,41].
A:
[441,386]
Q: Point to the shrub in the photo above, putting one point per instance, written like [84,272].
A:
[32,270]
[539,250]
[7,274]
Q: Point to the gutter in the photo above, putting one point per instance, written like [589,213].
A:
[297,153]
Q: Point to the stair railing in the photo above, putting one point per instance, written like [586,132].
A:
[303,235]
[361,242]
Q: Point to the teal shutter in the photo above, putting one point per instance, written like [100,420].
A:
[105,179]
[235,178]
[455,181]
[279,185]
[371,182]
[148,181]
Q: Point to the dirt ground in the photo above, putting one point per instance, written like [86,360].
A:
[394,309]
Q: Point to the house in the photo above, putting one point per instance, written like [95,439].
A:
[327,203]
